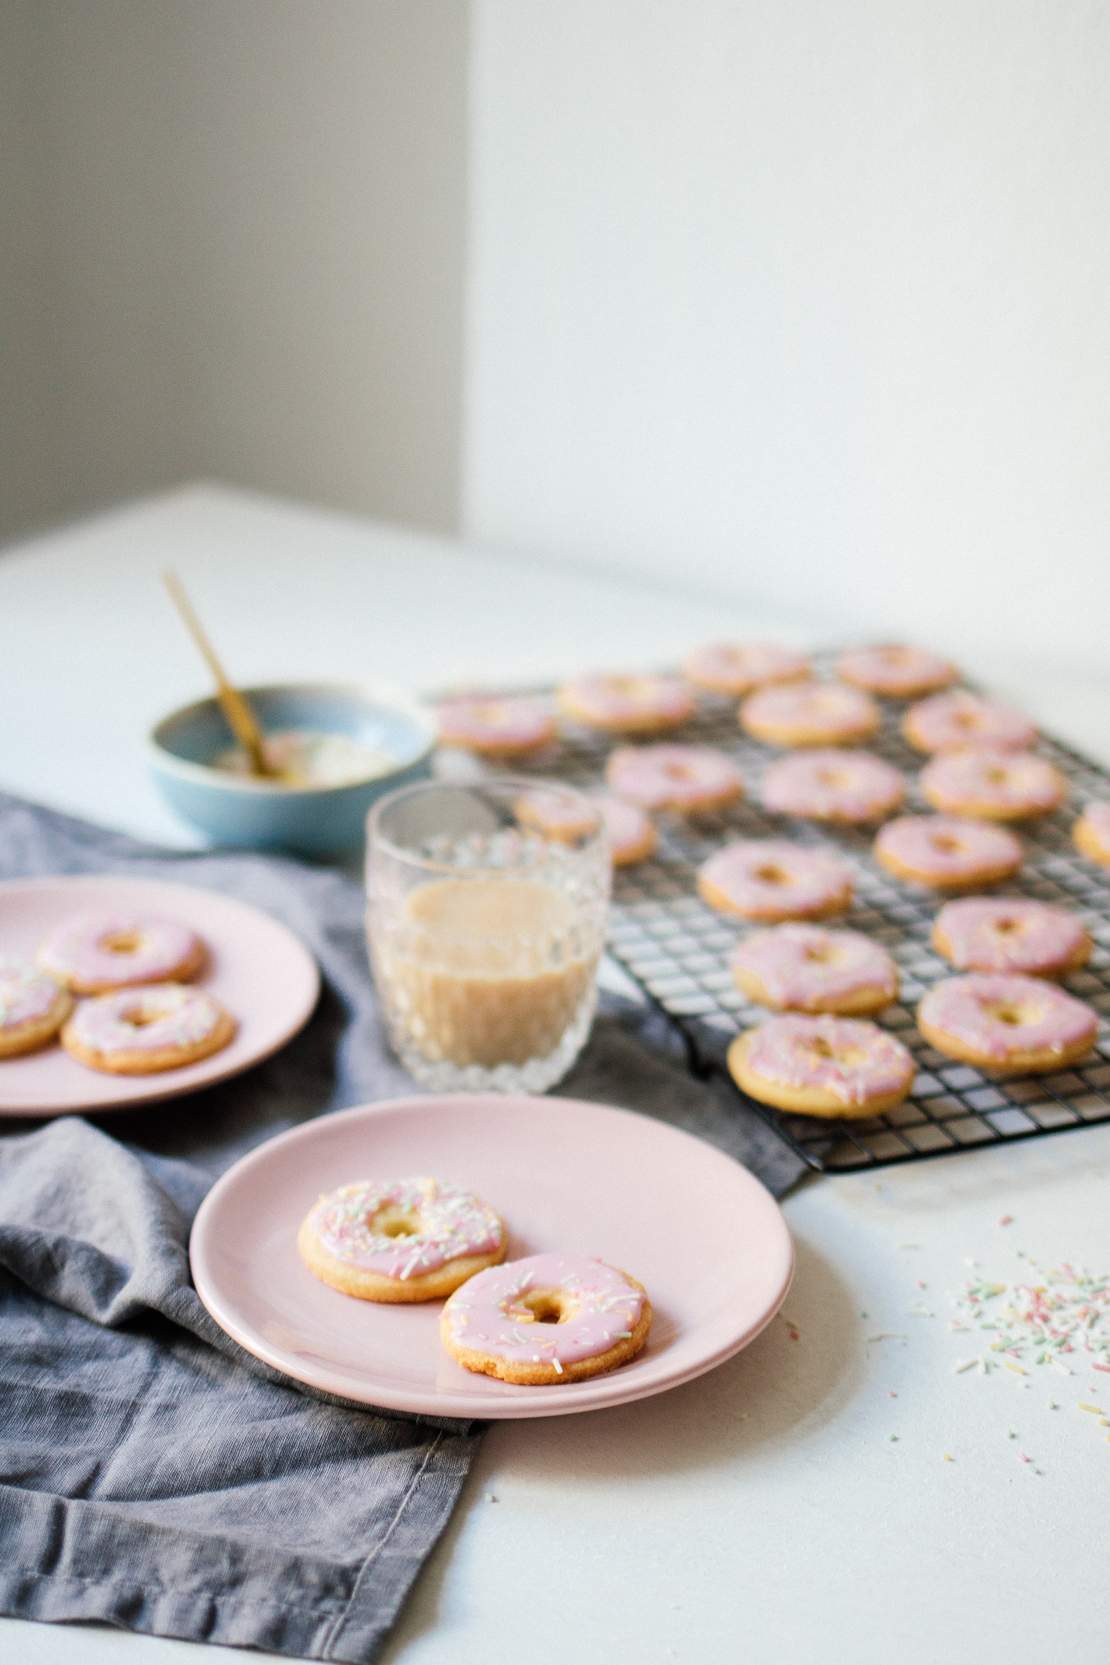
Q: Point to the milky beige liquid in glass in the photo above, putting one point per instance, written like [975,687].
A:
[489,971]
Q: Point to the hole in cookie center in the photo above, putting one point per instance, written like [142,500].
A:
[964,719]
[137,1018]
[395,1222]
[1003,1011]
[820,953]
[121,942]
[946,844]
[547,1306]
[770,874]
[831,777]
[996,774]
[1005,926]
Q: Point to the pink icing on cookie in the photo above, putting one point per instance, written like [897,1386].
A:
[825,709]
[26,994]
[559,814]
[947,848]
[763,877]
[988,781]
[1098,816]
[452,1225]
[490,1314]
[802,965]
[998,1016]
[1095,823]
[630,831]
[849,1057]
[148,950]
[631,701]
[145,1020]
[1004,933]
[673,777]
[495,724]
[896,669]
[945,722]
[832,785]
[737,667]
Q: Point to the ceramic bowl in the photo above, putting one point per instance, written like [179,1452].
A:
[316,821]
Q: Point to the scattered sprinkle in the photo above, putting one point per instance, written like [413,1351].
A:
[1006,1220]
[1095,1409]
[948,1457]
[1063,1315]
[889,1335]
[491,1497]
[893,1438]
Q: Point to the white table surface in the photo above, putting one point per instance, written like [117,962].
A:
[766,1511]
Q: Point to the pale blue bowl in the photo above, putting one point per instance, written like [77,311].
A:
[316,821]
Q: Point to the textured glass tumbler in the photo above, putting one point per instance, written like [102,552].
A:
[485,932]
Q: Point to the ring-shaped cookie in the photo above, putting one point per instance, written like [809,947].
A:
[1007,1023]
[145,1031]
[822,1066]
[400,1240]
[32,1008]
[94,953]
[547,1318]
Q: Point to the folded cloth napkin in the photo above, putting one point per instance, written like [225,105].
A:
[152,1474]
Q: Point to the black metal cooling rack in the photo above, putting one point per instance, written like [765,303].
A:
[676,949]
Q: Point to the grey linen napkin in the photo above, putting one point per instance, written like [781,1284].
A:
[152,1474]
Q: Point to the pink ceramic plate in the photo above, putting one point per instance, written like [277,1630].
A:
[702,1235]
[257,967]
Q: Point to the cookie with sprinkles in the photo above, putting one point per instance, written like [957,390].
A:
[32,1008]
[547,1319]
[145,1031]
[400,1240]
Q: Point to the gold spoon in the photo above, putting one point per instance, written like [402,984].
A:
[235,707]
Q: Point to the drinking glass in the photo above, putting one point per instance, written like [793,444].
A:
[484,931]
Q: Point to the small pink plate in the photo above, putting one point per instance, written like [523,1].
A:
[703,1236]
[263,974]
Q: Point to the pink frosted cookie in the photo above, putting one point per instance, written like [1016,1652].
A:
[1091,833]
[806,968]
[993,785]
[97,952]
[545,1319]
[1007,1023]
[1008,933]
[947,722]
[822,1066]
[947,852]
[810,714]
[32,1008]
[557,815]
[772,879]
[400,1240]
[897,670]
[833,785]
[627,704]
[632,837]
[690,780]
[738,667]
[496,727]
[144,1031]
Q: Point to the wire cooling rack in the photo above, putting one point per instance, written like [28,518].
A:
[676,949]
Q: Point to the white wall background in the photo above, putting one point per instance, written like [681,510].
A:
[233,246]
[800,299]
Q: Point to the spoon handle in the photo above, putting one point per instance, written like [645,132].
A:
[237,710]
